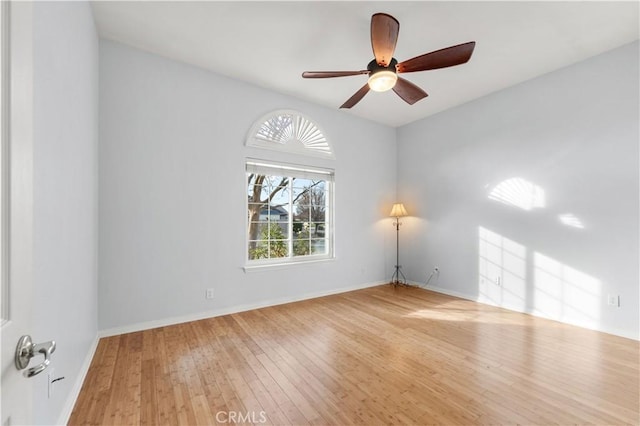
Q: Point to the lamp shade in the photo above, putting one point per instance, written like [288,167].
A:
[398,210]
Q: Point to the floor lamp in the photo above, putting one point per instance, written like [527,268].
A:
[398,211]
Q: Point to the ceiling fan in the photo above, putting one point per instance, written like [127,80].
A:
[384,69]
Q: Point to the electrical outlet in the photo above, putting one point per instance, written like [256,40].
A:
[209,293]
[613,300]
[498,281]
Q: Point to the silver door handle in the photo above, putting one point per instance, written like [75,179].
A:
[26,350]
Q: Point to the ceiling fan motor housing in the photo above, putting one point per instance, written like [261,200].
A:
[373,66]
[384,35]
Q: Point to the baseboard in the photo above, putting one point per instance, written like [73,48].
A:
[445,291]
[147,325]
[615,332]
[84,369]
[75,391]
[77,386]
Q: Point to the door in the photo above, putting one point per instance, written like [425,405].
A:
[16,176]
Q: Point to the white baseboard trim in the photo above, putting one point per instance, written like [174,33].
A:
[147,325]
[77,386]
[446,291]
[615,332]
[75,391]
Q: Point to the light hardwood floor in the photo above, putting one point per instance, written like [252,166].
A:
[375,356]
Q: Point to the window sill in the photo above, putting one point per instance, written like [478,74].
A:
[279,266]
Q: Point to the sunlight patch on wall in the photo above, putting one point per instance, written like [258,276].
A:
[519,192]
[502,270]
[514,277]
[571,220]
[565,293]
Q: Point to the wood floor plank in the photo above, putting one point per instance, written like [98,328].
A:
[315,372]
[381,355]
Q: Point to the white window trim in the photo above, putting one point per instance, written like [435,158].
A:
[287,265]
[305,133]
[300,170]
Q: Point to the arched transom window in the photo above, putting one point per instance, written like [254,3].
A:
[289,131]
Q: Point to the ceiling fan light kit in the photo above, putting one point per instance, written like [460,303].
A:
[382,78]
[382,81]
[383,70]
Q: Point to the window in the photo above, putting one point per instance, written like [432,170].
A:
[289,213]
[289,131]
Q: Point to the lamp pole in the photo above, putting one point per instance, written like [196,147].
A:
[398,277]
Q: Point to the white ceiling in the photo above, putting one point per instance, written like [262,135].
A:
[270,44]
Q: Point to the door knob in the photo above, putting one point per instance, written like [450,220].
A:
[26,350]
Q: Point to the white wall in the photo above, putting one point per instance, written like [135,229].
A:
[65,196]
[171,157]
[172,194]
[567,142]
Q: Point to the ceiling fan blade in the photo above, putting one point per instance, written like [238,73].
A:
[447,57]
[356,97]
[328,74]
[384,35]
[408,91]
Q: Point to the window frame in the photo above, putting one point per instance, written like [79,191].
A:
[302,136]
[277,168]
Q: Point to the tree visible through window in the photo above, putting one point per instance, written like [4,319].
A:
[288,212]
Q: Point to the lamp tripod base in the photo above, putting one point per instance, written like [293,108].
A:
[398,278]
